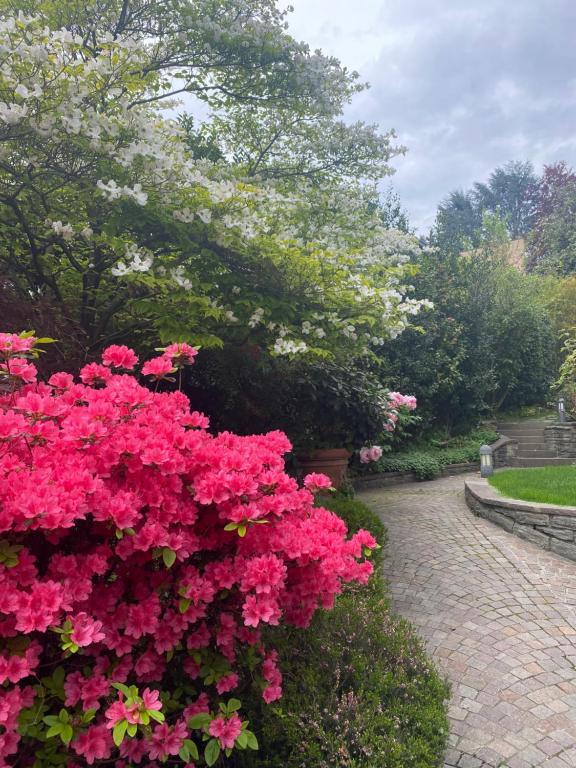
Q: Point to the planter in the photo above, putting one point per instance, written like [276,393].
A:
[328,461]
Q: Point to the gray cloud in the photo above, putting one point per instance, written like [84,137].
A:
[468,84]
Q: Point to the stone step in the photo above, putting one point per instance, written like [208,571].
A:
[557,461]
[521,432]
[536,453]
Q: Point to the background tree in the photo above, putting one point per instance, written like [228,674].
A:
[511,194]
[552,245]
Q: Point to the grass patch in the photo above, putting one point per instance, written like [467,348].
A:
[359,689]
[426,459]
[549,485]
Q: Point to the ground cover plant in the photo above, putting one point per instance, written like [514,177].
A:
[140,558]
[427,458]
[549,485]
[359,691]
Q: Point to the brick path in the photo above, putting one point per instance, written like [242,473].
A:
[498,616]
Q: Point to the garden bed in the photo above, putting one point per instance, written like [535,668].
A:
[386,479]
[359,690]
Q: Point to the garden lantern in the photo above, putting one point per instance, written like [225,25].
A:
[486,461]
[561,409]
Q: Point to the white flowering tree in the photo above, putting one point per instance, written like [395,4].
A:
[109,210]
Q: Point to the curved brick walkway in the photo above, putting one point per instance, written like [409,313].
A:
[499,617]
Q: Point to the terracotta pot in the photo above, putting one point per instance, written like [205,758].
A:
[328,461]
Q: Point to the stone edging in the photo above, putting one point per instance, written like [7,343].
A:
[386,479]
[549,526]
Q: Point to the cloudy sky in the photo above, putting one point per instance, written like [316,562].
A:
[467,84]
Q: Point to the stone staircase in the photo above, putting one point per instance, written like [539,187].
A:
[532,449]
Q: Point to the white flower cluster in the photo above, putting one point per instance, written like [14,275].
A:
[288,347]
[137,260]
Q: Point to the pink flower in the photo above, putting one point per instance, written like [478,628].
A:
[368,455]
[158,367]
[227,683]
[18,368]
[316,482]
[365,456]
[61,380]
[375,453]
[151,699]
[93,744]
[226,731]
[85,630]
[12,343]
[116,712]
[93,374]
[119,356]
[182,353]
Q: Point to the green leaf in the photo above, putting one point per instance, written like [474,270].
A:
[231,527]
[242,740]
[189,751]
[168,556]
[89,715]
[234,705]
[119,732]
[55,730]
[122,688]
[201,720]
[158,716]
[132,729]
[51,720]
[184,604]
[66,734]
[252,740]
[242,531]
[212,752]
[58,677]
[145,718]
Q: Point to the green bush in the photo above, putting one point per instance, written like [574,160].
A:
[359,690]
[427,459]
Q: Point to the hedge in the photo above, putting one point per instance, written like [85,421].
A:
[359,690]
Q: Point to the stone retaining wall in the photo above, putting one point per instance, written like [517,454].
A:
[550,527]
[386,479]
[503,451]
[561,438]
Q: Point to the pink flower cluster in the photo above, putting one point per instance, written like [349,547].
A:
[138,549]
[368,455]
[398,400]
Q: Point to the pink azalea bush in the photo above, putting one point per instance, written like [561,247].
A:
[140,558]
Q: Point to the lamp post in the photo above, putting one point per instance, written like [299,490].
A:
[561,410]
[486,461]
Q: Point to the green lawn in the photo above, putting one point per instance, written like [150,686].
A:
[551,485]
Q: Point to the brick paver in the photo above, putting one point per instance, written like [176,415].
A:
[499,617]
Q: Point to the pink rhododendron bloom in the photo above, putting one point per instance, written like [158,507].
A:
[11,343]
[93,373]
[20,369]
[93,744]
[85,630]
[227,683]
[181,353]
[317,482]
[226,731]
[375,453]
[368,455]
[119,356]
[158,367]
